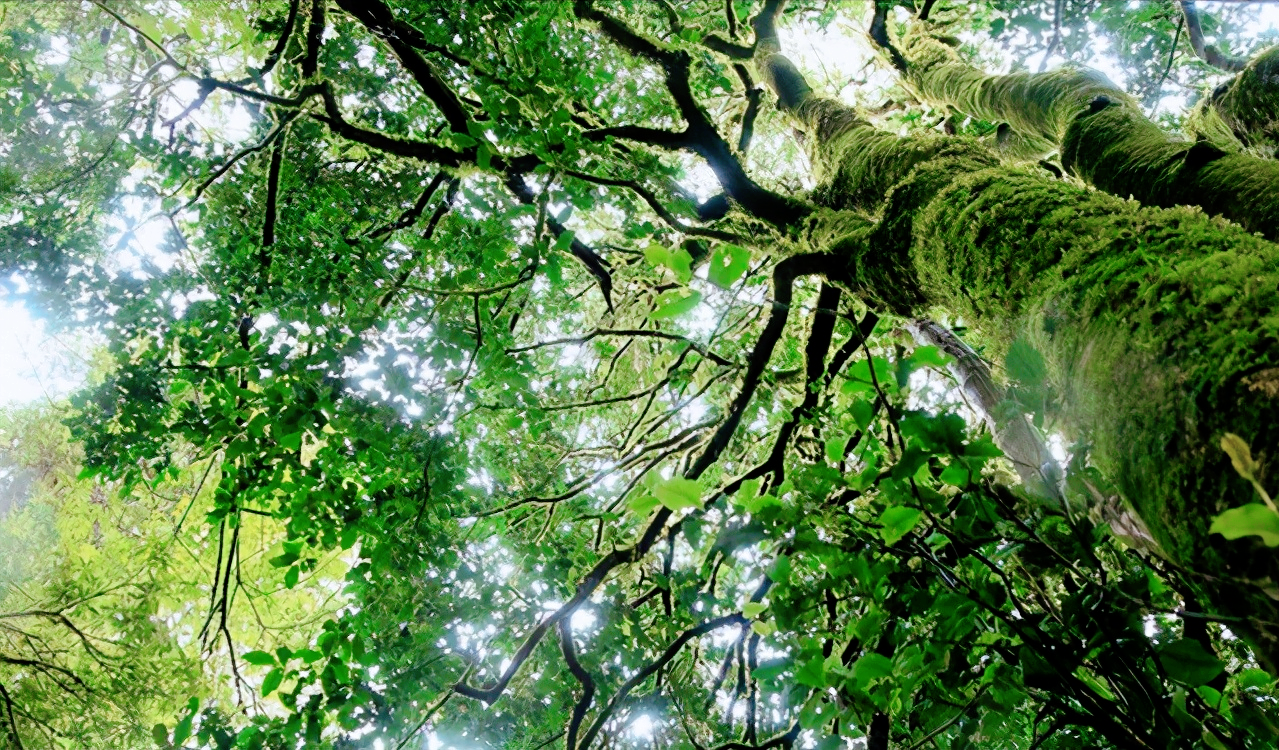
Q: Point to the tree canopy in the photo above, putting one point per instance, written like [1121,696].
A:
[696,374]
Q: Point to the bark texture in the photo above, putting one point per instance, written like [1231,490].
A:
[1103,136]
[1158,325]
[1243,114]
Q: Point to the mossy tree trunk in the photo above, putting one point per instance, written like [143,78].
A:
[1243,113]
[1107,141]
[1158,324]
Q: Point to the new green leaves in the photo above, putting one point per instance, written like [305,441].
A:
[678,493]
[1253,519]
[897,523]
[675,302]
[727,265]
[678,261]
[675,494]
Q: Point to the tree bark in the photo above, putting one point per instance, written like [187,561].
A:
[1243,113]
[1157,325]
[1104,137]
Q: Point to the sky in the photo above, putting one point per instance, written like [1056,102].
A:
[37,366]
[43,366]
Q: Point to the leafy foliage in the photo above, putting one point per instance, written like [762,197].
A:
[446,405]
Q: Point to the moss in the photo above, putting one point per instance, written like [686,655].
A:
[1103,136]
[1243,114]
[1126,302]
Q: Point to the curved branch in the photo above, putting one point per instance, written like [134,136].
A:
[636,680]
[282,43]
[651,199]
[403,40]
[314,38]
[707,353]
[1207,52]
[588,585]
[878,33]
[701,135]
[583,677]
[784,275]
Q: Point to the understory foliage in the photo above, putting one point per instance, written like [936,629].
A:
[484,373]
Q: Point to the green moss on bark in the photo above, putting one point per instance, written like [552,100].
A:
[1243,114]
[1103,136]
[1160,325]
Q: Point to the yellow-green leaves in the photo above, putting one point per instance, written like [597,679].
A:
[1241,458]
[675,302]
[678,261]
[727,265]
[1253,519]
[678,493]
[897,523]
[674,494]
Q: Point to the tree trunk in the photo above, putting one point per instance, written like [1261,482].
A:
[1157,325]
[1243,113]
[1106,140]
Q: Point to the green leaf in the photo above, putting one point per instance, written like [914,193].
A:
[681,263]
[835,449]
[871,667]
[861,410]
[678,493]
[272,681]
[259,658]
[642,504]
[283,561]
[771,670]
[1187,662]
[812,672]
[781,569]
[1094,683]
[291,577]
[753,609]
[1251,678]
[1253,519]
[675,302]
[897,522]
[462,140]
[160,733]
[727,265]
[564,241]
[929,356]
[292,441]
[678,260]
[657,255]
[957,474]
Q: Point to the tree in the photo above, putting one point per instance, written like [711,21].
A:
[610,456]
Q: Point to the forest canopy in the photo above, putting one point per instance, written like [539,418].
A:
[705,374]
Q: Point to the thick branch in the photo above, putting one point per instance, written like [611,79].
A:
[784,274]
[700,136]
[638,679]
[403,40]
[1103,135]
[314,38]
[1207,52]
